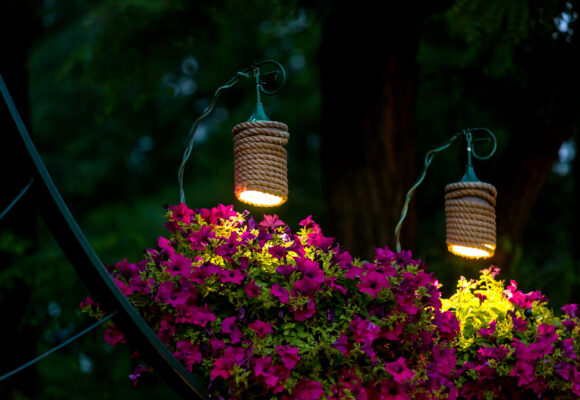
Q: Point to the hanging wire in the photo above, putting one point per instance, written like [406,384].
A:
[245,73]
[56,348]
[429,158]
[195,125]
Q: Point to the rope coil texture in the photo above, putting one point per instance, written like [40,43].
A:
[260,158]
[470,215]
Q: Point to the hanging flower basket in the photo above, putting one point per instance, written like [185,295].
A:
[262,312]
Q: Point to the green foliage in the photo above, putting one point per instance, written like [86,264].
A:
[512,342]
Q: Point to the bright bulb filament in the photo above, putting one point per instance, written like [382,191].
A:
[260,199]
[471,252]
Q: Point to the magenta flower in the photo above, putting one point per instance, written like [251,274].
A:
[165,245]
[394,333]
[309,225]
[278,251]
[271,222]
[280,293]
[524,371]
[222,366]
[447,323]
[289,355]
[304,312]
[232,275]
[201,238]
[261,328]
[494,353]
[126,290]
[493,271]
[179,265]
[485,332]
[331,281]
[229,248]
[114,336]
[264,368]
[341,343]
[322,242]
[364,331]
[576,382]
[523,300]
[547,333]
[307,389]
[229,324]
[196,315]
[519,324]
[188,353]
[568,349]
[394,391]
[399,371]
[312,278]
[181,213]
[569,324]
[165,291]
[481,297]
[251,289]
[563,369]
[385,256]
[570,310]
[136,375]
[372,283]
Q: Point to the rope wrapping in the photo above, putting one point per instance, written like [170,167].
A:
[470,215]
[260,158]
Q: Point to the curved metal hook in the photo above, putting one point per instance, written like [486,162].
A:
[492,138]
[279,71]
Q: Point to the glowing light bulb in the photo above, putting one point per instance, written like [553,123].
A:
[471,252]
[260,199]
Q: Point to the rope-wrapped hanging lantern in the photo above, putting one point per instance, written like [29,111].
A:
[469,204]
[470,219]
[260,162]
[259,154]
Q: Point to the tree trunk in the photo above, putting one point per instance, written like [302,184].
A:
[369,79]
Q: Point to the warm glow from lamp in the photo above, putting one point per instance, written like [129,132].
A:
[260,199]
[471,252]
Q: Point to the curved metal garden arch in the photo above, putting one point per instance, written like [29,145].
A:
[89,267]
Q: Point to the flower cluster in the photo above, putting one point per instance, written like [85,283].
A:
[512,346]
[262,312]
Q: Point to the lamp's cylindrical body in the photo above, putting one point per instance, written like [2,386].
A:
[260,170]
[470,215]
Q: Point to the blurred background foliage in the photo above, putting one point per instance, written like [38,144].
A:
[113,87]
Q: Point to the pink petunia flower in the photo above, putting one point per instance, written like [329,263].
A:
[399,371]
[307,389]
[251,289]
[265,369]
[271,222]
[114,336]
[289,355]
[341,343]
[261,328]
[280,293]
[188,353]
[304,312]
[485,332]
[570,310]
[278,251]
